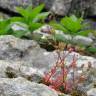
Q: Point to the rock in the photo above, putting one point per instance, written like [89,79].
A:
[14,70]
[12,48]
[64,37]
[42,32]
[65,7]
[31,74]
[45,32]
[29,53]
[61,7]
[12,4]
[22,87]
[25,58]
[91,25]
[82,40]
[91,92]
[93,9]
[26,51]
[3,16]
[81,60]
[94,45]
[76,39]
[48,3]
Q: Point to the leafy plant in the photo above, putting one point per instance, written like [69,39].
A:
[71,25]
[5,27]
[32,18]
[91,49]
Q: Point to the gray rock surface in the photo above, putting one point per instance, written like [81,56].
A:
[12,4]
[21,57]
[82,40]
[22,87]
[91,92]
[26,51]
[24,58]
[59,7]
[48,3]
[74,7]
[16,69]
[64,7]
[93,9]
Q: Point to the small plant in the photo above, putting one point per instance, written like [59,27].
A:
[59,77]
[31,19]
[5,27]
[71,25]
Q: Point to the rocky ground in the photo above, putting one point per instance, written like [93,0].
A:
[22,66]
[23,62]
[59,7]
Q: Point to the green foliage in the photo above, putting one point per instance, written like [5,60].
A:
[71,25]
[5,27]
[29,14]
[91,49]
[31,17]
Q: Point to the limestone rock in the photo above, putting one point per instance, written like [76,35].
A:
[91,92]
[12,4]
[64,7]
[61,7]
[26,51]
[29,54]
[22,87]
[48,3]
[16,69]
[82,40]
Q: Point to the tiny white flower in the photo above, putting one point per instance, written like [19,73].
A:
[43,37]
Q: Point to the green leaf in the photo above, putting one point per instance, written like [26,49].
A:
[58,27]
[31,16]
[36,11]
[91,49]
[71,23]
[25,13]
[29,9]
[83,33]
[22,11]
[59,37]
[5,27]
[33,26]
[41,16]
[19,34]
[17,19]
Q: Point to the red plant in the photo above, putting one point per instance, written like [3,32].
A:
[59,80]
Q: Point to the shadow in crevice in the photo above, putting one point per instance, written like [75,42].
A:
[9,12]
